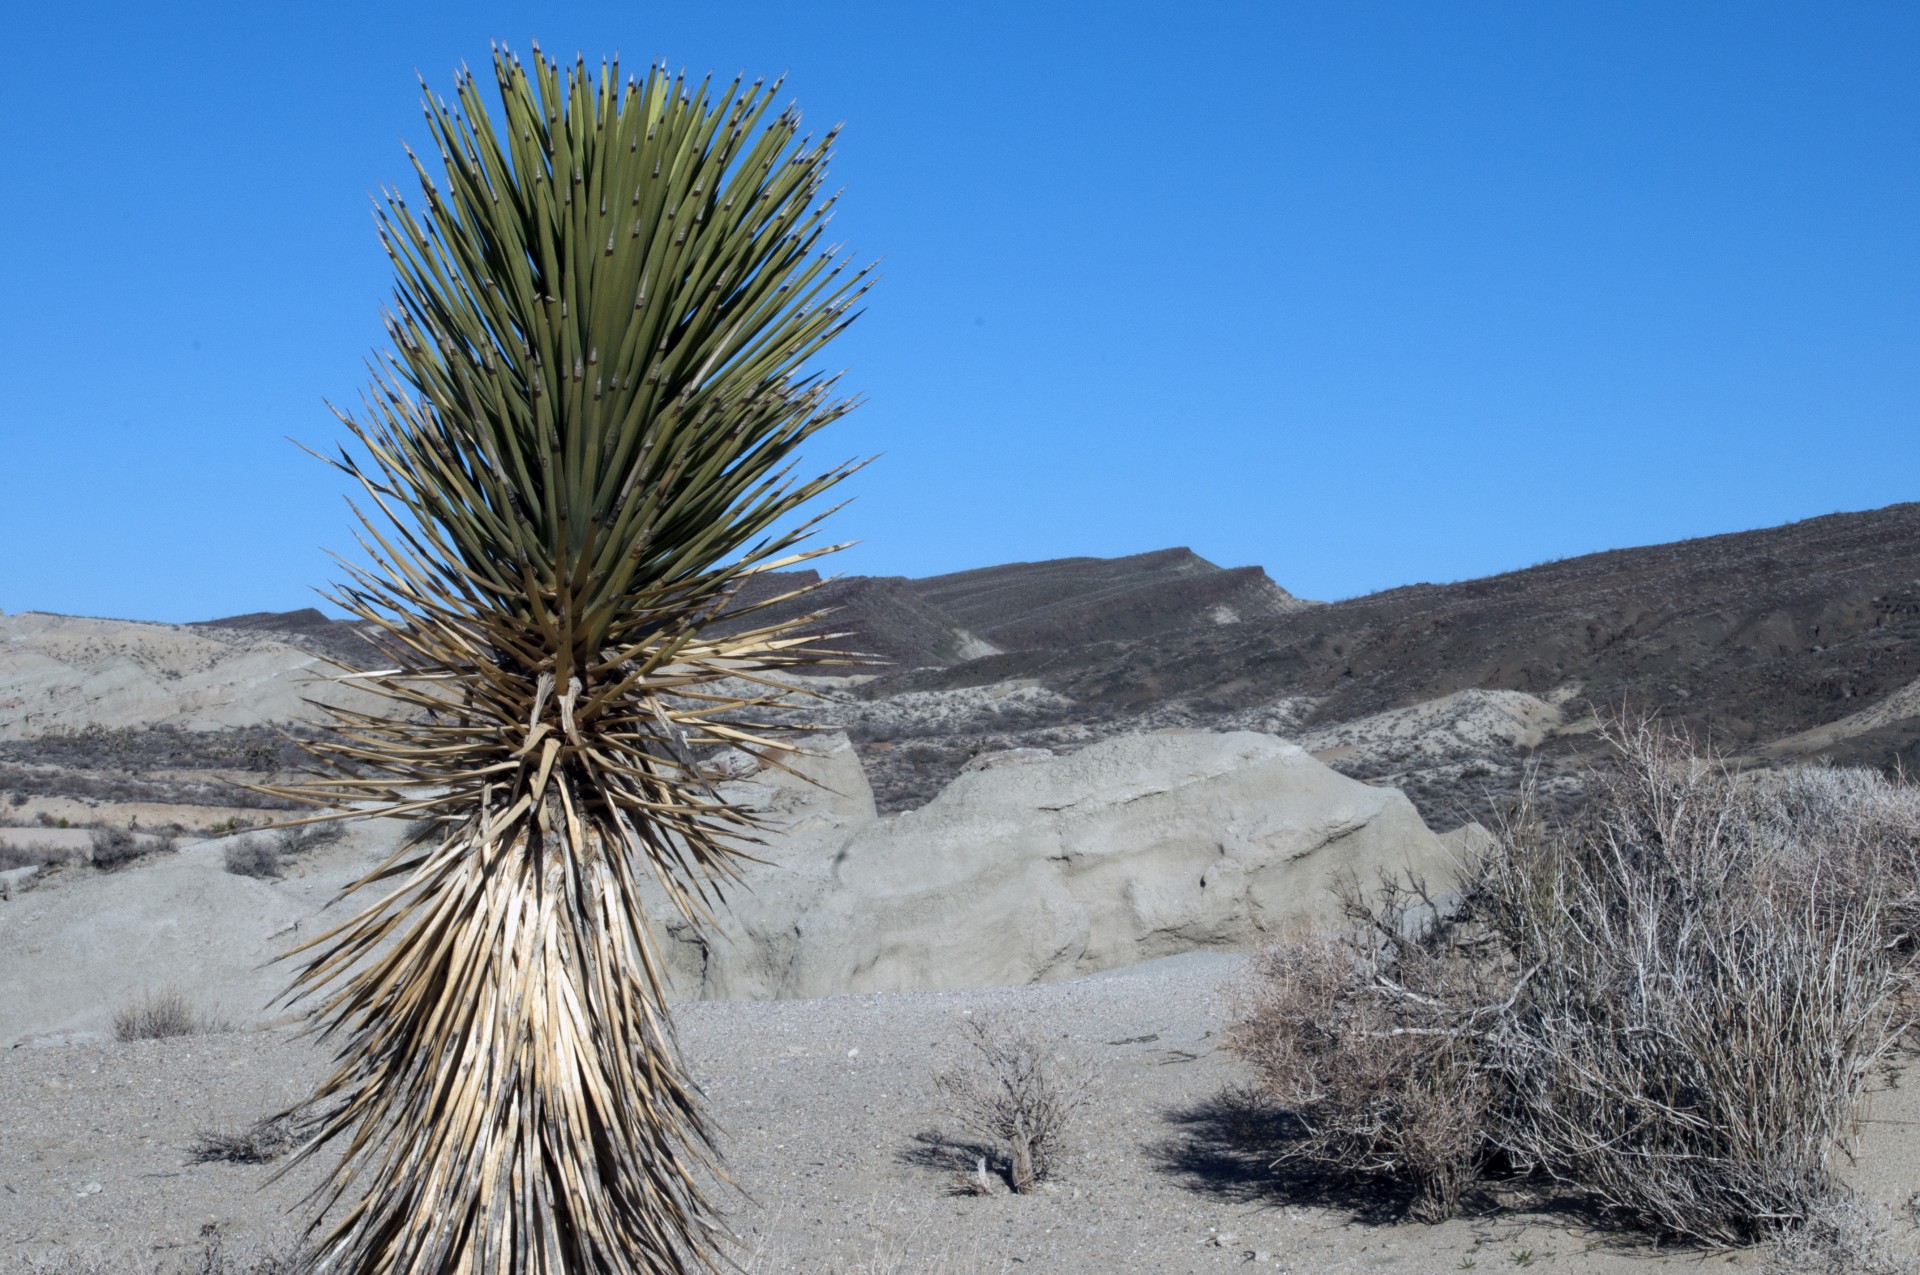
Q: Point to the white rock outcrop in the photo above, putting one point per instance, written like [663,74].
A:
[1028,867]
[1041,867]
[66,673]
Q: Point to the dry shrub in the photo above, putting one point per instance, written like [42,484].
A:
[266,854]
[1670,1005]
[1709,983]
[117,847]
[1017,1093]
[32,856]
[261,1142]
[1844,1236]
[253,857]
[1362,1038]
[160,1016]
[298,840]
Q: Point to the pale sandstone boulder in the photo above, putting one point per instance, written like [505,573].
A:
[1032,867]
[1028,867]
[809,815]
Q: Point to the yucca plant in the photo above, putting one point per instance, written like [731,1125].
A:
[577,451]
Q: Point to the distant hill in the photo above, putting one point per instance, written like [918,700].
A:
[1068,601]
[1788,642]
[308,627]
[881,616]
[945,620]
[1752,635]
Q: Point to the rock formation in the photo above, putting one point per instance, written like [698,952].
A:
[1032,867]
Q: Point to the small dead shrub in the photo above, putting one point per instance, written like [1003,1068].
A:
[255,856]
[117,847]
[261,1142]
[30,857]
[1018,1093]
[266,854]
[160,1016]
[307,836]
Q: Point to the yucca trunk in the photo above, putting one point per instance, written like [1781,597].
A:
[575,454]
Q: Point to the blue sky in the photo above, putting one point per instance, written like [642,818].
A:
[1366,294]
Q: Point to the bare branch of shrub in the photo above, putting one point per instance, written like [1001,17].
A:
[1017,1092]
[974,1181]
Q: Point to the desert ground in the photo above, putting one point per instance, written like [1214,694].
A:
[844,1158]
[1108,736]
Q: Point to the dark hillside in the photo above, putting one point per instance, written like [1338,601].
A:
[1066,601]
[945,620]
[881,616]
[308,627]
[1753,635]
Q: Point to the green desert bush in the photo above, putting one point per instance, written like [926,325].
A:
[1669,1005]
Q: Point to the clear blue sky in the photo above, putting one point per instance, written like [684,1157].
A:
[1363,293]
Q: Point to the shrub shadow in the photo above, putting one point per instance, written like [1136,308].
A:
[1229,1146]
[934,1150]
[959,1160]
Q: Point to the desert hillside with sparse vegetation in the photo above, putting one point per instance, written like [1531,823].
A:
[1399,1090]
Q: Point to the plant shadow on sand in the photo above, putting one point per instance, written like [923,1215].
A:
[957,1159]
[1228,1146]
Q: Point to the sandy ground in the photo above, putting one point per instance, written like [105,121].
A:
[829,1123]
